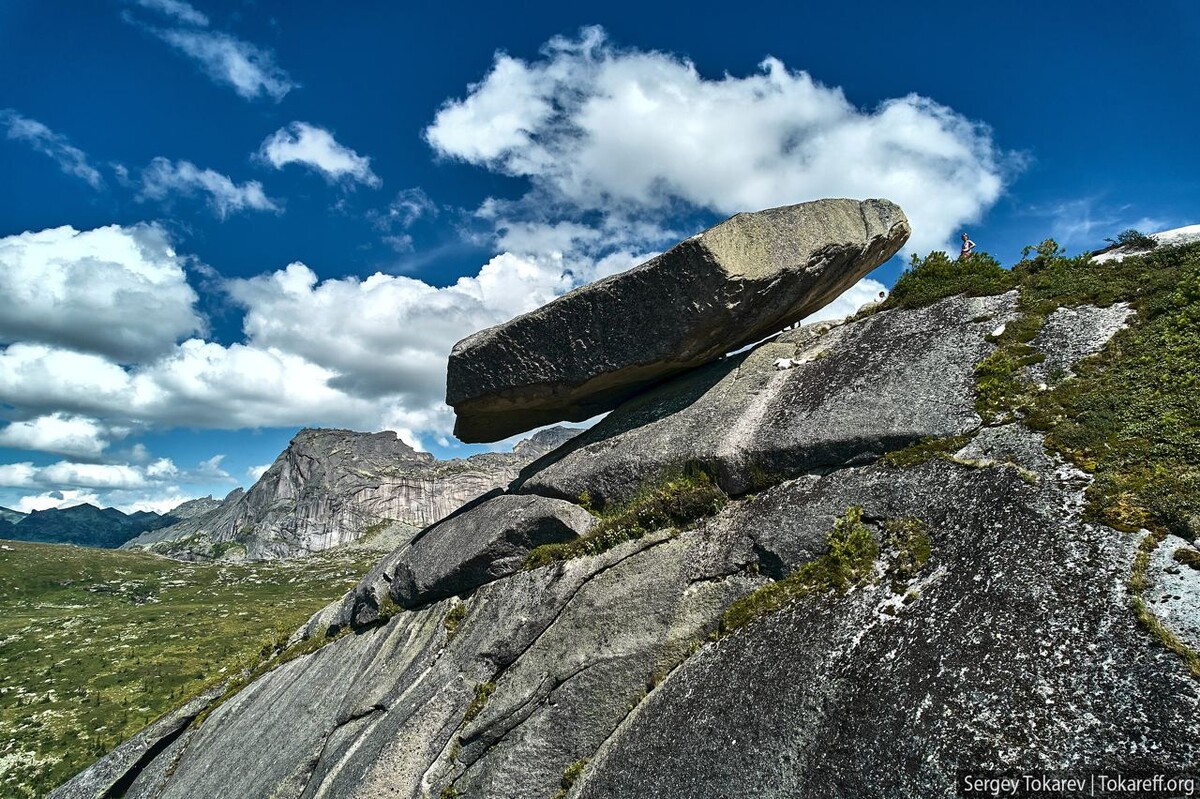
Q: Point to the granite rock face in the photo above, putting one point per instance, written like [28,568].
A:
[329,487]
[1013,647]
[482,543]
[731,285]
[855,392]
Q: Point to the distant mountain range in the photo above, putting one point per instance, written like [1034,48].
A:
[83,525]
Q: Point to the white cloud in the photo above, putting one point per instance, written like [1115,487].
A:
[314,147]
[80,475]
[1088,221]
[56,499]
[251,71]
[853,298]
[625,132]
[255,472]
[117,291]
[164,178]
[409,206]
[158,486]
[388,336]
[71,160]
[178,9]
[61,434]
[378,361]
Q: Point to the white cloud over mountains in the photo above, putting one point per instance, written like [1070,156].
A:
[164,178]
[120,292]
[367,354]
[594,127]
[70,159]
[102,337]
[316,148]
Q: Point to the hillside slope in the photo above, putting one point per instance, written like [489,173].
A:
[848,562]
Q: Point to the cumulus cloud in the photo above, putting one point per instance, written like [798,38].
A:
[178,9]
[378,363]
[250,70]
[118,291]
[164,178]
[56,499]
[596,128]
[85,475]
[62,434]
[70,159]
[316,148]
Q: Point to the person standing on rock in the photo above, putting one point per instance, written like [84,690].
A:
[968,247]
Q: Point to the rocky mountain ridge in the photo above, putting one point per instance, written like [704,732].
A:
[843,563]
[331,487]
[82,525]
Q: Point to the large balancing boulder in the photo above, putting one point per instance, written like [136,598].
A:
[588,351]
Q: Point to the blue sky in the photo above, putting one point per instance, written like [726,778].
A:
[224,221]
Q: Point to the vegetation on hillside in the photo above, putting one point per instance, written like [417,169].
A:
[95,644]
[1131,416]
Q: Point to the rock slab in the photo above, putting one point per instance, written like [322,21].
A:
[481,544]
[729,286]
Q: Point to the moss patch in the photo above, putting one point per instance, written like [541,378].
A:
[925,450]
[570,777]
[1188,557]
[483,692]
[909,549]
[453,619]
[1146,617]
[850,559]
[675,502]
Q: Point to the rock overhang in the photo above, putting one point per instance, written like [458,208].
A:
[593,348]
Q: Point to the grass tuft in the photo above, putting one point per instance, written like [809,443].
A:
[925,450]
[570,777]
[850,559]
[453,619]
[483,692]
[674,502]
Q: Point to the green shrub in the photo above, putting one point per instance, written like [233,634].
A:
[675,502]
[936,277]
[1134,240]
[849,560]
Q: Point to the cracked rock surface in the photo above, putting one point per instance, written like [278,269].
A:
[1012,647]
[860,390]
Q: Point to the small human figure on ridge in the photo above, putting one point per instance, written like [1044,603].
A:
[968,247]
